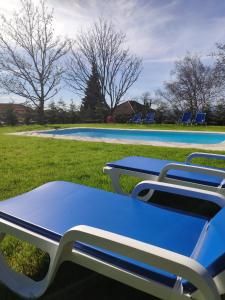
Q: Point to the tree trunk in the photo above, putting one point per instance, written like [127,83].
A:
[112,110]
[41,113]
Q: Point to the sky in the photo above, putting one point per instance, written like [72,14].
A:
[159,31]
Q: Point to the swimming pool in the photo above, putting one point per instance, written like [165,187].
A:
[183,137]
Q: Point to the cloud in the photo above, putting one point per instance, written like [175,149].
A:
[155,29]
[160,31]
[140,20]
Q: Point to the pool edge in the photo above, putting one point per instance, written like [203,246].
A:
[38,133]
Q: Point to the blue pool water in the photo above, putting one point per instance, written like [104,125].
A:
[143,135]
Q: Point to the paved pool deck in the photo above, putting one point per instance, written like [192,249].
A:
[216,147]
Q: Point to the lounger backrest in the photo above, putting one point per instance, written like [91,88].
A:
[137,116]
[134,117]
[186,117]
[150,116]
[200,117]
[212,249]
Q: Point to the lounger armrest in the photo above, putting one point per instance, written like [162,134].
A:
[194,169]
[204,155]
[160,258]
[192,192]
[191,168]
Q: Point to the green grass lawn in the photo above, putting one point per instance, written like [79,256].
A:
[128,126]
[27,162]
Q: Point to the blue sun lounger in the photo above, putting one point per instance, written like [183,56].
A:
[150,118]
[187,173]
[163,252]
[186,118]
[137,118]
[200,118]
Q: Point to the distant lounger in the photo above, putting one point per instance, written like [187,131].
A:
[166,253]
[187,173]
[186,118]
[200,118]
[137,119]
[150,118]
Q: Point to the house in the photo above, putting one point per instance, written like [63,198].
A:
[19,109]
[124,111]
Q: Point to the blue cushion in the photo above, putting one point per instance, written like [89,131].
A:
[55,207]
[212,254]
[153,166]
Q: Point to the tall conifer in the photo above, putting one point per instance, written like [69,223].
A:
[93,106]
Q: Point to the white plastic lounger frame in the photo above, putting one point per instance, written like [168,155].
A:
[204,155]
[182,266]
[115,174]
[210,196]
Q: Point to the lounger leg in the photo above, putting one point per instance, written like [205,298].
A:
[115,179]
[18,282]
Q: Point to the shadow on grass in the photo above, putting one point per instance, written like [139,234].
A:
[75,282]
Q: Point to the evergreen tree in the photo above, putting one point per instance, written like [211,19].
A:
[10,117]
[93,106]
[52,113]
[73,112]
[62,111]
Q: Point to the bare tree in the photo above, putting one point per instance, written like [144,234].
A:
[103,46]
[220,66]
[194,86]
[148,100]
[30,55]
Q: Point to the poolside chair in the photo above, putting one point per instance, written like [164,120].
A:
[188,174]
[200,118]
[163,252]
[137,118]
[150,118]
[186,118]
